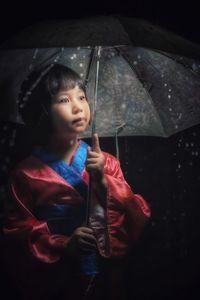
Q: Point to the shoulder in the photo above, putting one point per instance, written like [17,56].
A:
[26,167]
[110,157]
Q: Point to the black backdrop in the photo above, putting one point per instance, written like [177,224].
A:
[164,265]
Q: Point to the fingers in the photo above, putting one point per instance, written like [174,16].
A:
[94,159]
[92,154]
[95,143]
[87,246]
[86,239]
[85,233]
[86,229]
[91,161]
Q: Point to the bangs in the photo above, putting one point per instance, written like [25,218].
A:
[38,90]
[63,78]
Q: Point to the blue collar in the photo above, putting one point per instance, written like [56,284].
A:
[70,172]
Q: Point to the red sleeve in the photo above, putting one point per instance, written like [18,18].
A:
[21,224]
[127,212]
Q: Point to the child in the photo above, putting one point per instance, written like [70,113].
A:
[45,226]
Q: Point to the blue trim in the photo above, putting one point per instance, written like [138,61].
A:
[61,218]
[71,173]
[78,162]
[64,219]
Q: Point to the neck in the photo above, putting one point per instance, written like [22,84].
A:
[62,145]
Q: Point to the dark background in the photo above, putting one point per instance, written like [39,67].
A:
[164,265]
[181,17]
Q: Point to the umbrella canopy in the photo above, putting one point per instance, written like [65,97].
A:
[101,30]
[140,91]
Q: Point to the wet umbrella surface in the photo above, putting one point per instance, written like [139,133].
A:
[141,91]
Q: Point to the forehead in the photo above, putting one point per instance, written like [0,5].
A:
[69,91]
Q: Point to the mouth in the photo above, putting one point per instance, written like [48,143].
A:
[79,120]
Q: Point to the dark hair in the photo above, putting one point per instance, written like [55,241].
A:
[36,96]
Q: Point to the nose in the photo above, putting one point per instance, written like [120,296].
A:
[76,107]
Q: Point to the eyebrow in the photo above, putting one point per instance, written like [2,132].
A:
[80,91]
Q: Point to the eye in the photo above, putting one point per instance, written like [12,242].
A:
[63,100]
[82,98]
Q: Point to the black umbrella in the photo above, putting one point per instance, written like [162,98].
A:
[101,30]
[135,90]
[140,91]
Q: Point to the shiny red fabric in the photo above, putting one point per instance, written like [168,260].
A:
[33,183]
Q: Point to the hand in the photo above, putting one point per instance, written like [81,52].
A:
[95,160]
[82,240]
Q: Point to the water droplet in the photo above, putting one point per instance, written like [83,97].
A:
[169,96]
[81,65]
[180,116]
[186,145]
[170,90]
[123,105]
[139,56]
[170,109]
[81,74]
[162,75]
[135,62]
[165,84]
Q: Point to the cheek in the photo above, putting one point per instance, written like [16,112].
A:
[59,117]
[88,113]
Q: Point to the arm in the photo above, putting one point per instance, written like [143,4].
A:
[21,224]
[127,212]
[116,210]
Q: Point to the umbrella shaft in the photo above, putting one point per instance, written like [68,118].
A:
[89,193]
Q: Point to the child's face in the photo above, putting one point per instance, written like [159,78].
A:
[70,112]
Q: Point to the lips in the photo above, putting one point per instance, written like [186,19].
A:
[79,120]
